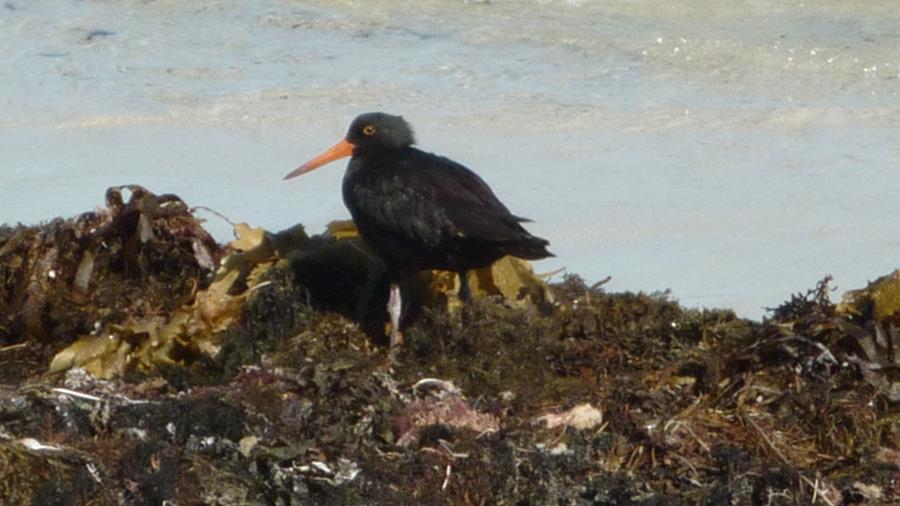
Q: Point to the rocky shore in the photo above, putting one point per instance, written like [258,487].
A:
[141,362]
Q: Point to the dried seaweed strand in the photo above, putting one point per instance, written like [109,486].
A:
[775,449]
[815,487]
[13,347]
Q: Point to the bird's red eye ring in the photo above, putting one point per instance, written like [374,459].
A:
[369,130]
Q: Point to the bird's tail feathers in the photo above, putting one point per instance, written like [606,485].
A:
[533,248]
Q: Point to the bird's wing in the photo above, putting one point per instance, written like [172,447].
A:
[409,215]
[463,185]
[428,201]
[393,211]
[446,197]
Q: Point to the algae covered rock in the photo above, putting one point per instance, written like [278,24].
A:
[880,300]
[336,269]
[255,373]
[142,256]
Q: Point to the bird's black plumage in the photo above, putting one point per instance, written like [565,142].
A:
[421,211]
[418,210]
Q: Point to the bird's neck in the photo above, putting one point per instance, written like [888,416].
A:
[380,151]
[377,159]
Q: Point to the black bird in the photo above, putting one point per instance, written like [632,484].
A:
[420,211]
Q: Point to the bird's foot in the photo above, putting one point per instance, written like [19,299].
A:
[392,360]
[396,348]
[396,339]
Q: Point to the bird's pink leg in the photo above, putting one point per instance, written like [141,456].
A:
[394,307]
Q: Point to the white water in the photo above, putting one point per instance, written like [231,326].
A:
[733,153]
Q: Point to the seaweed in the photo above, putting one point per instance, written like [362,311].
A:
[276,385]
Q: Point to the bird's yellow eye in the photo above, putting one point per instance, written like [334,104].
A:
[369,130]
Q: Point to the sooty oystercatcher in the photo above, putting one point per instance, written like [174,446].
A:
[420,211]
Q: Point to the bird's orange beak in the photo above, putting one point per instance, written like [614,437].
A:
[339,150]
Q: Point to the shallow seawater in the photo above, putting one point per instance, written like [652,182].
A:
[732,153]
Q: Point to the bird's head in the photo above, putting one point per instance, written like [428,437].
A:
[370,132]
